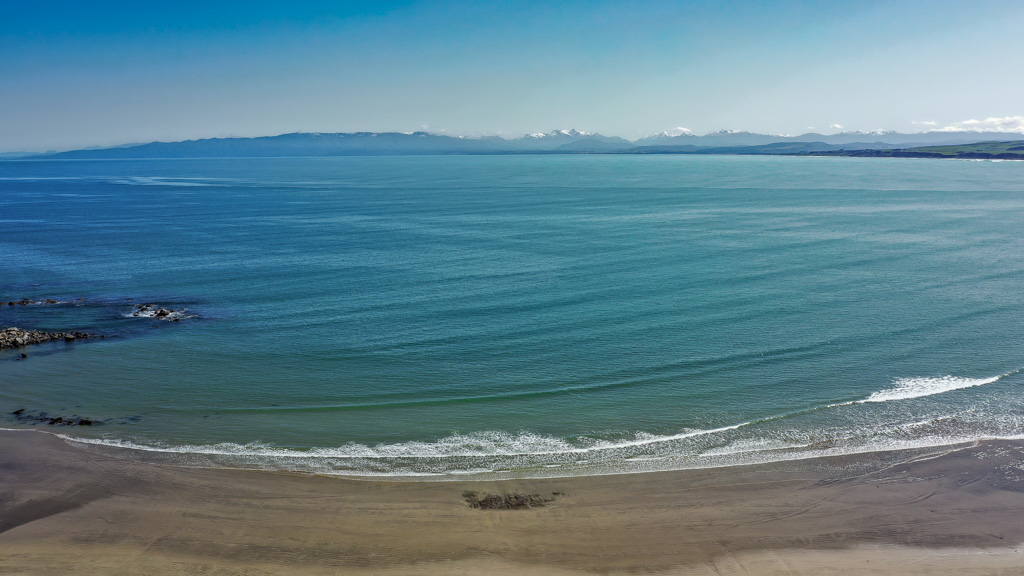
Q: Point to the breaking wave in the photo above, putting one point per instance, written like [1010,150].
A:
[906,388]
[497,455]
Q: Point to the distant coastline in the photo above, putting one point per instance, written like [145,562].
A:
[968,145]
[1012,150]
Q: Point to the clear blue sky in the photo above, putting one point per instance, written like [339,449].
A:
[76,74]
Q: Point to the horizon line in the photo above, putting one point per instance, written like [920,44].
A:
[674,133]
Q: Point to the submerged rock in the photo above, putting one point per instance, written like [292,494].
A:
[44,418]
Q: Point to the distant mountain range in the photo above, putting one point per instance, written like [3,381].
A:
[555,142]
[861,140]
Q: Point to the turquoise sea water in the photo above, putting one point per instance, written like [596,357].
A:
[517,315]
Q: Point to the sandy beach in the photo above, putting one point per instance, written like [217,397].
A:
[66,509]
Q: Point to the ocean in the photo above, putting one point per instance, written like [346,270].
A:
[514,316]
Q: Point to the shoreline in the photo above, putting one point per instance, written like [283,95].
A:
[958,510]
[218,460]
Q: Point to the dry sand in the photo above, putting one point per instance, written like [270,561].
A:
[70,510]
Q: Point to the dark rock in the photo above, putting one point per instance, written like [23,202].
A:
[44,418]
[16,337]
[158,312]
[26,302]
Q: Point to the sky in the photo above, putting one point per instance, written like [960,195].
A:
[78,74]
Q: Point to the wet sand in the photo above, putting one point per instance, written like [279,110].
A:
[70,510]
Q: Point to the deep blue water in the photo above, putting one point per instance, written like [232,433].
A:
[527,315]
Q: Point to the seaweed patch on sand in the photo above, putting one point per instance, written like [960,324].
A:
[508,501]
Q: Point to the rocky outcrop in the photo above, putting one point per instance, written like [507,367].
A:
[26,302]
[16,337]
[158,312]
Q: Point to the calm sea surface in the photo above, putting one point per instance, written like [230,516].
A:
[517,315]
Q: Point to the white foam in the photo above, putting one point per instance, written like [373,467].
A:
[151,312]
[501,454]
[478,445]
[160,181]
[906,388]
[268,458]
[490,450]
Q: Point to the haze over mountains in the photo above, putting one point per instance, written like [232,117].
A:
[554,142]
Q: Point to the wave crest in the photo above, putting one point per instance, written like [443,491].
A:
[906,388]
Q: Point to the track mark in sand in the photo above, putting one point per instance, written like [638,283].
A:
[789,513]
[919,498]
[826,482]
[726,562]
[968,481]
[32,510]
[127,563]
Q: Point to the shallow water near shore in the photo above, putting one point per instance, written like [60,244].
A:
[520,315]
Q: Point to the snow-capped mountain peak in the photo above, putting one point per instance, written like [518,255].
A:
[878,132]
[727,132]
[572,132]
[673,133]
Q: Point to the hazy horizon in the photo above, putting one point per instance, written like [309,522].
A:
[81,76]
[674,132]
